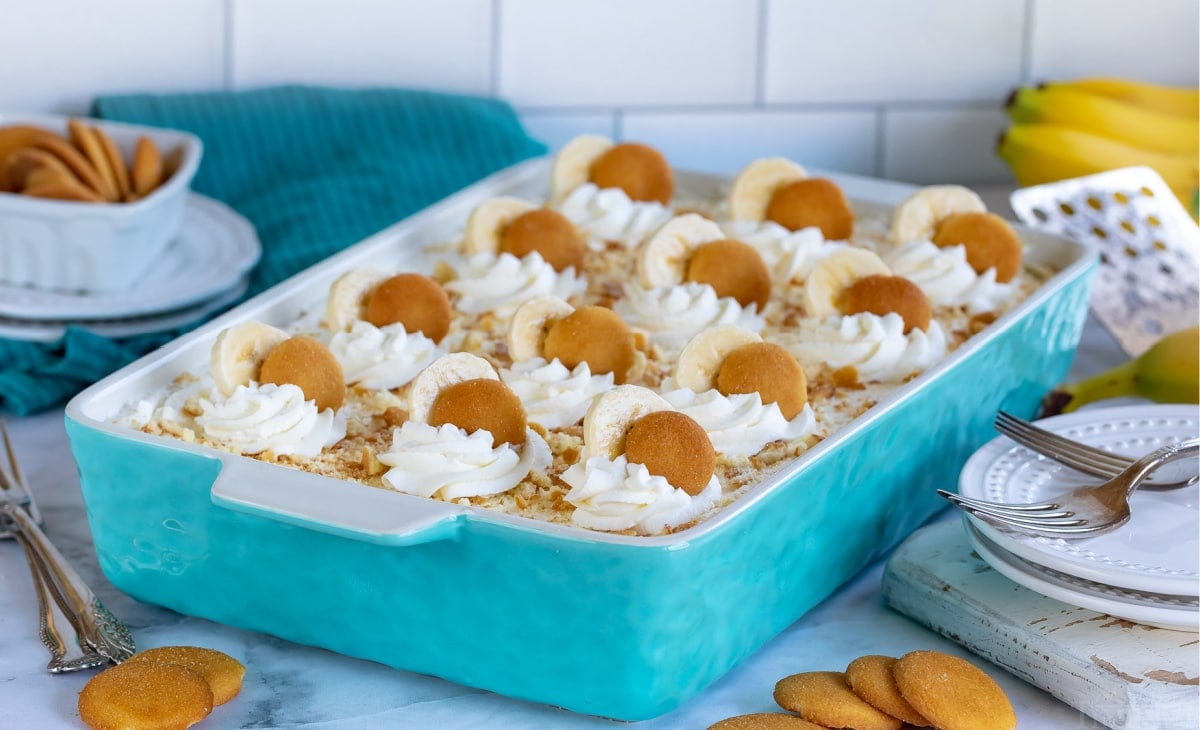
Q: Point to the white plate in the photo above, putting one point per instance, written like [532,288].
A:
[1157,551]
[51,330]
[215,247]
[1181,613]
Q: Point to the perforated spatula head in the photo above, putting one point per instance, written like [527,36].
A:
[1148,283]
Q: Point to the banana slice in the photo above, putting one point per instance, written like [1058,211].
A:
[835,272]
[347,297]
[917,217]
[238,353]
[530,323]
[610,416]
[573,164]
[488,221]
[662,259]
[446,370]
[701,358]
[752,188]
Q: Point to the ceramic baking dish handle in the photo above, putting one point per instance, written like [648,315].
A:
[331,505]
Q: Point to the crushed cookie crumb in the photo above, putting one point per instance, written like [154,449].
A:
[394,416]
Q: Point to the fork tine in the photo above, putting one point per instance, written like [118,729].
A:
[1061,519]
[1047,518]
[1082,457]
[1014,506]
[1040,530]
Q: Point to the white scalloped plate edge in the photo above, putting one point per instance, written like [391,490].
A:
[1111,559]
[1143,609]
[51,330]
[214,249]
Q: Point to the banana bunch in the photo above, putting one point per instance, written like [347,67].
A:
[1073,128]
[1169,372]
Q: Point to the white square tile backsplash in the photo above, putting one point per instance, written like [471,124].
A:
[627,52]
[438,45]
[934,145]
[58,54]
[909,91]
[725,142]
[1154,40]
[869,51]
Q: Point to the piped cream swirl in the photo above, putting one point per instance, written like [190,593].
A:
[382,358]
[444,461]
[554,396]
[946,278]
[876,346]
[500,283]
[740,424]
[671,315]
[257,418]
[609,214]
[790,255]
[614,494]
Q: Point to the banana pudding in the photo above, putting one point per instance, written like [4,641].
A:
[611,358]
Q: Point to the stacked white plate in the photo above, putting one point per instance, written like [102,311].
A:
[205,268]
[1146,571]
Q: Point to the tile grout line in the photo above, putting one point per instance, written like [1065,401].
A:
[760,73]
[1027,42]
[781,108]
[227,49]
[494,80]
[880,140]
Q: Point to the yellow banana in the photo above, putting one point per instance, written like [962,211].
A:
[1107,117]
[1042,153]
[1179,100]
[1169,372]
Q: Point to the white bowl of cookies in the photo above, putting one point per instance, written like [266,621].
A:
[88,205]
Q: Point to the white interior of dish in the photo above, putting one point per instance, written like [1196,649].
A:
[396,248]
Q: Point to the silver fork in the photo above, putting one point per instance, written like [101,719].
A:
[55,627]
[1083,512]
[1081,457]
[64,600]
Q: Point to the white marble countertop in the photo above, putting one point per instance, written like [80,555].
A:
[288,685]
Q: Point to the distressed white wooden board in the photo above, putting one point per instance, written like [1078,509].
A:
[1123,674]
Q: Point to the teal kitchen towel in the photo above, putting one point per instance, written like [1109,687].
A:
[314,169]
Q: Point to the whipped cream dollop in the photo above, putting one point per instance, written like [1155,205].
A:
[740,424]
[167,405]
[257,418]
[609,214]
[946,278]
[382,358]
[499,284]
[553,395]
[614,494]
[876,346]
[671,315]
[444,461]
[790,255]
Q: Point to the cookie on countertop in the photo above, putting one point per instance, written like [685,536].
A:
[871,679]
[952,693]
[145,695]
[222,672]
[826,699]
[765,721]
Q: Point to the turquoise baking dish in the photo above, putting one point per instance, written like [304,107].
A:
[617,626]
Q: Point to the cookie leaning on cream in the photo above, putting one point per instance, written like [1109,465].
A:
[778,190]
[639,170]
